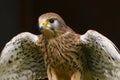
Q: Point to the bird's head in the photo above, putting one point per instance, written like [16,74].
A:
[51,25]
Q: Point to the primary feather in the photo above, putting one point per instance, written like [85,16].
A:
[21,59]
[102,57]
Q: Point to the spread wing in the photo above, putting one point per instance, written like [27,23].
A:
[101,57]
[21,59]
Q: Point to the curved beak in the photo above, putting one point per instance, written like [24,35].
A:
[42,25]
[46,31]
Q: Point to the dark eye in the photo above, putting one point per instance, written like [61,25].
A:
[51,20]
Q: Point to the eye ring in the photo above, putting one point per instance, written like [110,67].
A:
[51,20]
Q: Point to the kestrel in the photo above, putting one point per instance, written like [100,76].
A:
[59,54]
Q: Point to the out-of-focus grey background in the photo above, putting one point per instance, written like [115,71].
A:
[17,16]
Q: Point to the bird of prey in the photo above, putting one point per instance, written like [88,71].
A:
[59,54]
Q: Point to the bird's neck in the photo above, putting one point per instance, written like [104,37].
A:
[61,51]
[58,46]
[48,35]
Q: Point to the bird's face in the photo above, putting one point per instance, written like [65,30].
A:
[50,25]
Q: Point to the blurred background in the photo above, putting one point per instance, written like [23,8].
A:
[17,16]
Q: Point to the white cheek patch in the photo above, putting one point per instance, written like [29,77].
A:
[56,24]
[49,25]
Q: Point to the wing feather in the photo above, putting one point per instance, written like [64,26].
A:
[94,38]
[101,55]
[21,59]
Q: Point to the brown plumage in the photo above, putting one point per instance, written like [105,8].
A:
[59,54]
[60,49]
